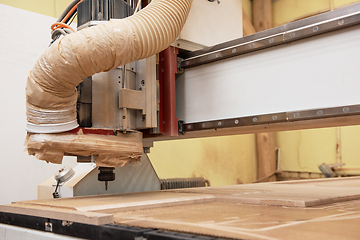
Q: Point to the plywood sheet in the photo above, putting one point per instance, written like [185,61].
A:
[98,210]
[290,194]
[230,211]
[244,221]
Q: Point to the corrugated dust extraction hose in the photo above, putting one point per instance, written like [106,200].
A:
[51,86]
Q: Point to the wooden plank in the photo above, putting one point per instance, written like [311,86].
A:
[66,214]
[222,211]
[98,210]
[289,194]
[262,15]
[266,146]
[265,141]
[243,221]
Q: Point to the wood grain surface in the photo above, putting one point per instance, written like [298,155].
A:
[315,209]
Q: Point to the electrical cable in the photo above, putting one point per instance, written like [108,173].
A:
[67,9]
[72,10]
[73,18]
[61,25]
[137,6]
[68,15]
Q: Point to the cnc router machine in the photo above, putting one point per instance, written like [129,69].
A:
[211,81]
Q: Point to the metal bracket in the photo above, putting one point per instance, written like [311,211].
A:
[179,68]
[132,99]
[181,127]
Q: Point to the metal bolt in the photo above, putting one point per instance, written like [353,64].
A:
[48,227]
[236,121]
[219,123]
[162,59]
[346,109]
[217,55]
[274,117]
[271,40]
[234,50]
[316,28]
[255,119]
[203,125]
[202,59]
[162,70]
[142,83]
[296,115]
[252,45]
[292,35]
[341,22]
[320,112]
[189,127]
[187,62]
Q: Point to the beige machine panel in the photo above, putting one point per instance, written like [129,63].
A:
[211,23]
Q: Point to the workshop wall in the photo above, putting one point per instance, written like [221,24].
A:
[52,8]
[221,160]
[24,36]
[285,11]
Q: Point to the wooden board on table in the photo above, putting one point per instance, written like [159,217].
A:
[245,221]
[98,210]
[290,194]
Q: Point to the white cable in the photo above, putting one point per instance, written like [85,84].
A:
[137,6]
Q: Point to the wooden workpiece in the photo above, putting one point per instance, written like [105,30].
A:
[315,209]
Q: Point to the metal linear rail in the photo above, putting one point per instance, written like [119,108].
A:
[297,76]
[282,117]
[331,21]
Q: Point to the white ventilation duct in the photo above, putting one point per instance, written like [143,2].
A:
[51,86]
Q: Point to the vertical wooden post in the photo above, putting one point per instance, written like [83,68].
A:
[266,142]
[262,15]
[266,146]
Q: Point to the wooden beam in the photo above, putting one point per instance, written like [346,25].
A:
[248,28]
[266,142]
[266,146]
[262,15]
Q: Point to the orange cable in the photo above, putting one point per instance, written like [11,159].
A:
[71,11]
[61,25]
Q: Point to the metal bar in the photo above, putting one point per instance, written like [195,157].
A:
[313,26]
[281,117]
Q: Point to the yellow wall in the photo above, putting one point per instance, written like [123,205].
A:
[222,160]
[52,8]
[285,11]
[305,150]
